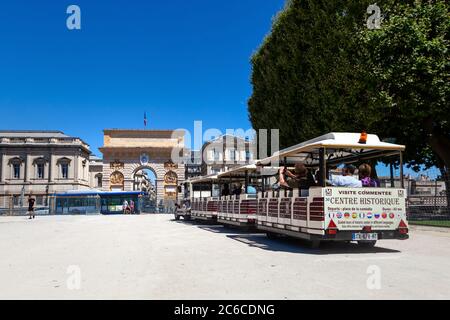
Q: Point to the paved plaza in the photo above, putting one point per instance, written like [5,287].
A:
[154,257]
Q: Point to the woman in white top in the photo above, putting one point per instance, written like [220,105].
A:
[125,207]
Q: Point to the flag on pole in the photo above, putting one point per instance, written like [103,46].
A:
[145,119]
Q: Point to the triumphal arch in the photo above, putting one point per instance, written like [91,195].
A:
[129,154]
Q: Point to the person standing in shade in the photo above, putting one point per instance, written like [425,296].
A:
[237,191]
[132,206]
[226,190]
[31,203]
[125,207]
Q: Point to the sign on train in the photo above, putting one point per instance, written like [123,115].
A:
[381,209]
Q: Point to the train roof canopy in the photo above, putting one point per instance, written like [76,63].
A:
[204,179]
[238,171]
[95,192]
[339,145]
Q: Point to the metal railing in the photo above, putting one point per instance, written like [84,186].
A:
[428,210]
[22,211]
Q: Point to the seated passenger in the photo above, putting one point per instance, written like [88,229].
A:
[365,172]
[347,179]
[251,190]
[300,179]
[226,190]
[237,190]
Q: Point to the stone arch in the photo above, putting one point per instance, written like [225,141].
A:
[142,168]
[146,167]
[147,183]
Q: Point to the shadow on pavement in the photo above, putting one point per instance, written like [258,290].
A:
[285,244]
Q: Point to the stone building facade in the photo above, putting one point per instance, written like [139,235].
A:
[40,163]
[226,152]
[95,173]
[127,152]
[193,165]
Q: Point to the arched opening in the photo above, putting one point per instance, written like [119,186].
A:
[98,182]
[146,181]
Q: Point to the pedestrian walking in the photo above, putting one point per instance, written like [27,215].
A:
[31,203]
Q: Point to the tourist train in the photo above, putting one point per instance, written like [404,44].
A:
[322,212]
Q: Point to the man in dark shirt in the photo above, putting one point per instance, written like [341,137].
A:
[237,190]
[31,202]
[226,190]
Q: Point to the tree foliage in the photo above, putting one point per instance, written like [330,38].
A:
[322,70]
[408,60]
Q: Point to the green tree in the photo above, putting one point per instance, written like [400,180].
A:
[321,69]
[408,61]
[306,74]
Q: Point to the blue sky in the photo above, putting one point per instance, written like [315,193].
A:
[179,61]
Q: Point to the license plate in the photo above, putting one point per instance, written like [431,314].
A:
[365,236]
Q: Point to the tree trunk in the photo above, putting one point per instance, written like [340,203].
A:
[440,144]
[446,178]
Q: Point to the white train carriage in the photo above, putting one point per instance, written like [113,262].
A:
[327,213]
[239,209]
[203,205]
[321,212]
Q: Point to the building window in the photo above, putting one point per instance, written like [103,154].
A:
[232,155]
[64,164]
[39,200]
[39,165]
[65,170]
[216,155]
[84,169]
[16,170]
[99,181]
[40,170]
[248,155]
